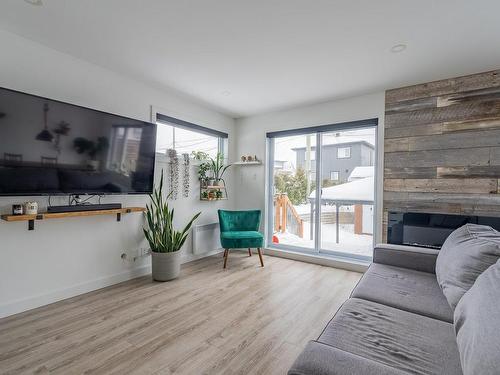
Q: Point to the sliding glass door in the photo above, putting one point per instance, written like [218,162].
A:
[347,192]
[322,190]
[293,181]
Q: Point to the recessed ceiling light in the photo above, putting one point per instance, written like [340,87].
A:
[34,2]
[397,48]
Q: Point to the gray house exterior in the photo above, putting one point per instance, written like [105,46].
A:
[339,159]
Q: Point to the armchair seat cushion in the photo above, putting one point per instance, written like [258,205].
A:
[241,239]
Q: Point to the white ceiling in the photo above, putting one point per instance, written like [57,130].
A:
[245,57]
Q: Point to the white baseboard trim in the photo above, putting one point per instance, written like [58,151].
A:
[75,290]
[33,302]
[329,261]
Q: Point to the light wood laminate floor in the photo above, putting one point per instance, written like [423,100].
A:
[242,320]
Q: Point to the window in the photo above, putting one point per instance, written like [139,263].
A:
[334,176]
[186,137]
[343,153]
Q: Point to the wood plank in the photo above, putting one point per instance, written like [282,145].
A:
[439,158]
[396,144]
[61,215]
[442,100]
[411,105]
[469,172]
[444,87]
[494,156]
[461,140]
[474,110]
[492,200]
[473,126]
[416,172]
[426,207]
[468,96]
[444,185]
[412,131]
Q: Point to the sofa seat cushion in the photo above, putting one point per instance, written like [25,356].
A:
[405,289]
[241,239]
[399,339]
[322,359]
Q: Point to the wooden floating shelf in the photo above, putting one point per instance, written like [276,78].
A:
[213,187]
[258,162]
[213,199]
[61,215]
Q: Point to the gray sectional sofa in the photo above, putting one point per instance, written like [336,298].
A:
[398,321]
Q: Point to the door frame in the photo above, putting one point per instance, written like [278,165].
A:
[269,188]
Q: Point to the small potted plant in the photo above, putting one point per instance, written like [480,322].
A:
[164,240]
[218,168]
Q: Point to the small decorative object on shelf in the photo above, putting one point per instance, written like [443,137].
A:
[248,160]
[30,208]
[185,176]
[17,209]
[173,172]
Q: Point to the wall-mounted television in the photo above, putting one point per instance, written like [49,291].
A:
[48,147]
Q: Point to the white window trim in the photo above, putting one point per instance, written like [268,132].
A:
[344,148]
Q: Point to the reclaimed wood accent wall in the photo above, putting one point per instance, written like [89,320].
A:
[442,147]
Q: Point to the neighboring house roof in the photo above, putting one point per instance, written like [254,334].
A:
[355,192]
[361,172]
[336,145]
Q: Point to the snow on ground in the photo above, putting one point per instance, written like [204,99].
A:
[350,243]
[325,208]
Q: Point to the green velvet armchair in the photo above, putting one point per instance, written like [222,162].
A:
[240,230]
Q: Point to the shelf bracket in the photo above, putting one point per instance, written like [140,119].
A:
[31,224]
[118,217]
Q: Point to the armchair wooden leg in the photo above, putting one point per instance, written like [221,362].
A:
[249,252]
[260,256]
[226,255]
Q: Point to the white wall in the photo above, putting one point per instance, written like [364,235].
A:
[251,139]
[66,257]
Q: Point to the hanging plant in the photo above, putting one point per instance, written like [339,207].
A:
[173,172]
[185,176]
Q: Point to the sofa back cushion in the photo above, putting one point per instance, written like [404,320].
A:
[466,253]
[476,319]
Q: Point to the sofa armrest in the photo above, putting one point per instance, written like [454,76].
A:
[415,258]
[321,359]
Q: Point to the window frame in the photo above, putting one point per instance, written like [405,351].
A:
[344,148]
[159,118]
[338,176]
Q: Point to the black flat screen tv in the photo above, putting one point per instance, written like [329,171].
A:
[48,147]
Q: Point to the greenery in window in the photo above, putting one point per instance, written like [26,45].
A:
[295,185]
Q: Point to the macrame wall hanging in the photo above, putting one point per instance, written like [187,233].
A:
[173,162]
[185,176]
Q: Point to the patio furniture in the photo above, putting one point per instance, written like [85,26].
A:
[240,230]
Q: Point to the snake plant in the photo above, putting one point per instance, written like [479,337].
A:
[160,232]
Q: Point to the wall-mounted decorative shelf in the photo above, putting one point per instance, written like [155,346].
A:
[61,215]
[258,162]
[213,192]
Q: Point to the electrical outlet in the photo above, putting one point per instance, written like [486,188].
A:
[142,252]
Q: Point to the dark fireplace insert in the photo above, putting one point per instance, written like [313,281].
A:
[429,230]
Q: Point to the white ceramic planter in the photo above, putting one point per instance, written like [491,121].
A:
[165,266]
